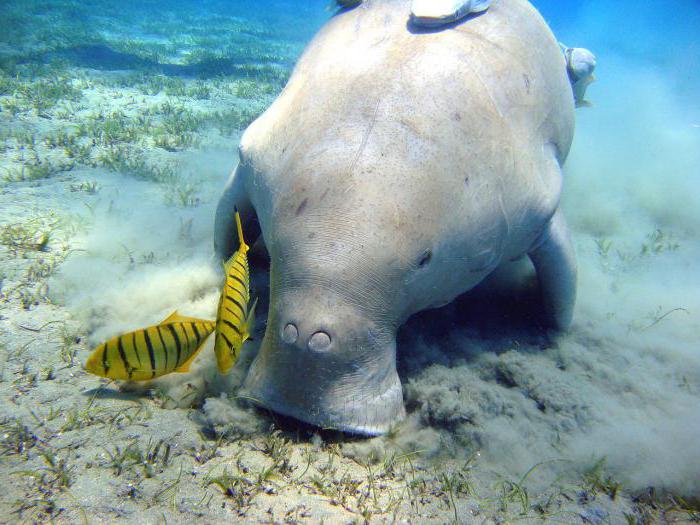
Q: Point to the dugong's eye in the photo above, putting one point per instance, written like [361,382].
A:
[424,258]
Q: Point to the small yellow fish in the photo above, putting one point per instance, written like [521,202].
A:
[233,319]
[151,352]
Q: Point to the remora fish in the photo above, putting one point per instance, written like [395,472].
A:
[233,319]
[151,352]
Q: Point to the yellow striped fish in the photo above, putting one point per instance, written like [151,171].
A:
[151,352]
[234,320]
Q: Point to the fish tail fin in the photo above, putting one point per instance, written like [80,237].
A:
[249,321]
[243,245]
[185,367]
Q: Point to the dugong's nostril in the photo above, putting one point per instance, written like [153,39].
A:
[319,341]
[290,333]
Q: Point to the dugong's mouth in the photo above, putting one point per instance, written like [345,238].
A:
[365,400]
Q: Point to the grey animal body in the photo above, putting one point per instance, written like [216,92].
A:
[396,170]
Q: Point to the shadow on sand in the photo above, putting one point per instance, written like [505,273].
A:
[104,58]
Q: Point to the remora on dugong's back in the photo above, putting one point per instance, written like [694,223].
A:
[396,170]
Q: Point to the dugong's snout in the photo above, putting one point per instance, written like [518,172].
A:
[334,370]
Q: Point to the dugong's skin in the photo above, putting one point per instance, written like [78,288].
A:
[396,170]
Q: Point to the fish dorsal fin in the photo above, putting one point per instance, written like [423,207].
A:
[243,246]
[172,318]
[249,320]
[177,318]
[227,264]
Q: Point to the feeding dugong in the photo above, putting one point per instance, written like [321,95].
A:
[396,170]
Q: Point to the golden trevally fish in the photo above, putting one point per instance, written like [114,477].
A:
[233,320]
[151,352]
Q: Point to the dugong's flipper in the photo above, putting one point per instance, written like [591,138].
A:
[234,197]
[580,64]
[432,13]
[555,263]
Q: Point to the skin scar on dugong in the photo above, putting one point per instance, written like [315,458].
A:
[395,171]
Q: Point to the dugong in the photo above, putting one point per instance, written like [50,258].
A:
[397,169]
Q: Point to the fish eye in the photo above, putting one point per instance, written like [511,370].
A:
[424,258]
